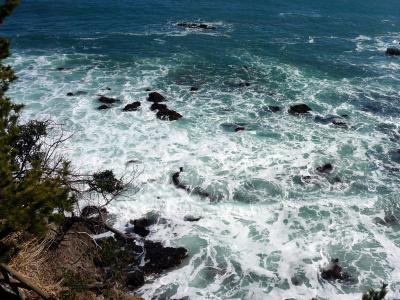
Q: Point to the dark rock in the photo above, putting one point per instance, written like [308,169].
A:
[132,106]
[299,109]
[155,97]
[339,123]
[168,114]
[239,128]
[191,218]
[147,89]
[244,84]
[379,221]
[90,210]
[159,258]
[70,94]
[62,69]
[195,26]
[326,168]
[158,106]
[344,116]
[134,279]
[141,231]
[143,222]
[107,100]
[391,219]
[194,88]
[101,107]
[233,127]
[77,93]
[393,51]
[334,271]
[108,88]
[272,108]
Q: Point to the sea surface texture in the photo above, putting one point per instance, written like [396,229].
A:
[272,220]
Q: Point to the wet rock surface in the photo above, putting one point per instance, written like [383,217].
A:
[195,26]
[155,97]
[158,106]
[107,100]
[168,114]
[299,109]
[393,51]
[326,168]
[333,271]
[132,106]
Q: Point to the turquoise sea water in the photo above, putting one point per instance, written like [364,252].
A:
[272,228]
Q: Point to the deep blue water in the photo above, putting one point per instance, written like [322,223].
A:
[277,220]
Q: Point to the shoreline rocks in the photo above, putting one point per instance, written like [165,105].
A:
[107,100]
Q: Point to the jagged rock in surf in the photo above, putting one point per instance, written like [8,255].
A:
[132,106]
[107,100]
[393,51]
[326,168]
[195,191]
[334,271]
[194,88]
[195,26]
[155,97]
[299,109]
[158,106]
[159,258]
[168,114]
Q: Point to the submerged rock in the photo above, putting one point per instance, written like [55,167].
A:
[160,258]
[272,108]
[168,114]
[104,106]
[190,218]
[107,100]
[233,127]
[70,94]
[299,109]
[392,51]
[195,26]
[158,106]
[194,88]
[155,97]
[132,106]
[326,168]
[334,271]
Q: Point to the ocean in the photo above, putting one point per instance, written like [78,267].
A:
[273,219]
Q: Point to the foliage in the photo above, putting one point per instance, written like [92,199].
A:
[376,295]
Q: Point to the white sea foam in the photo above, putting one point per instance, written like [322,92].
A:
[267,228]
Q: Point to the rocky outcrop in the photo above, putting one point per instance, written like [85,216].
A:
[158,106]
[155,97]
[299,109]
[393,51]
[132,106]
[168,114]
[326,168]
[107,100]
[333,271]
